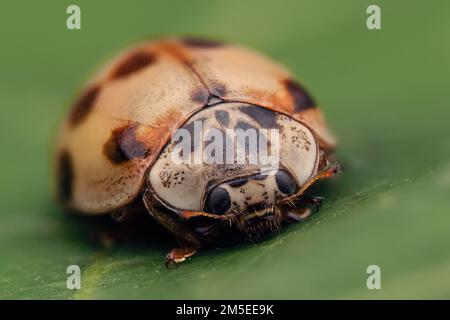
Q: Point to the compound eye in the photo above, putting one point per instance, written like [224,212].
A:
[218,201]
[285,182]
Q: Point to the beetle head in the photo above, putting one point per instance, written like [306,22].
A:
[252,200]
[195,173]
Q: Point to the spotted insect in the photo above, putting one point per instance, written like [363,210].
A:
[113,149]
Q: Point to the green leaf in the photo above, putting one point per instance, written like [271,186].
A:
[384,92]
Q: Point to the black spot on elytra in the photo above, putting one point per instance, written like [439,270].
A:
[266,119]
[133,63]
[302,100]
[202,43]
[123,146]
[65,176]
[223,117]
[83,105]
[217,89]
[200,95]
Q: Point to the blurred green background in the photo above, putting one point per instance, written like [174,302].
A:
[385,94]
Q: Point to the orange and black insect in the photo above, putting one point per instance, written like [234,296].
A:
[113,149]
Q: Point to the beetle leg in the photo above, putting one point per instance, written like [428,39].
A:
[188,240]
[301,208]
[311,201]
[293,214]
[179,254]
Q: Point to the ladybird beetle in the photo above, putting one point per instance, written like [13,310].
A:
[113,149]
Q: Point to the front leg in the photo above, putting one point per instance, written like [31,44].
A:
[179,254]
[301,208]
[189,243]
[295,214]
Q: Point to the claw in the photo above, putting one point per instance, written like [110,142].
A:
[316,202]
[297,215]
[170,262]
[178,255]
